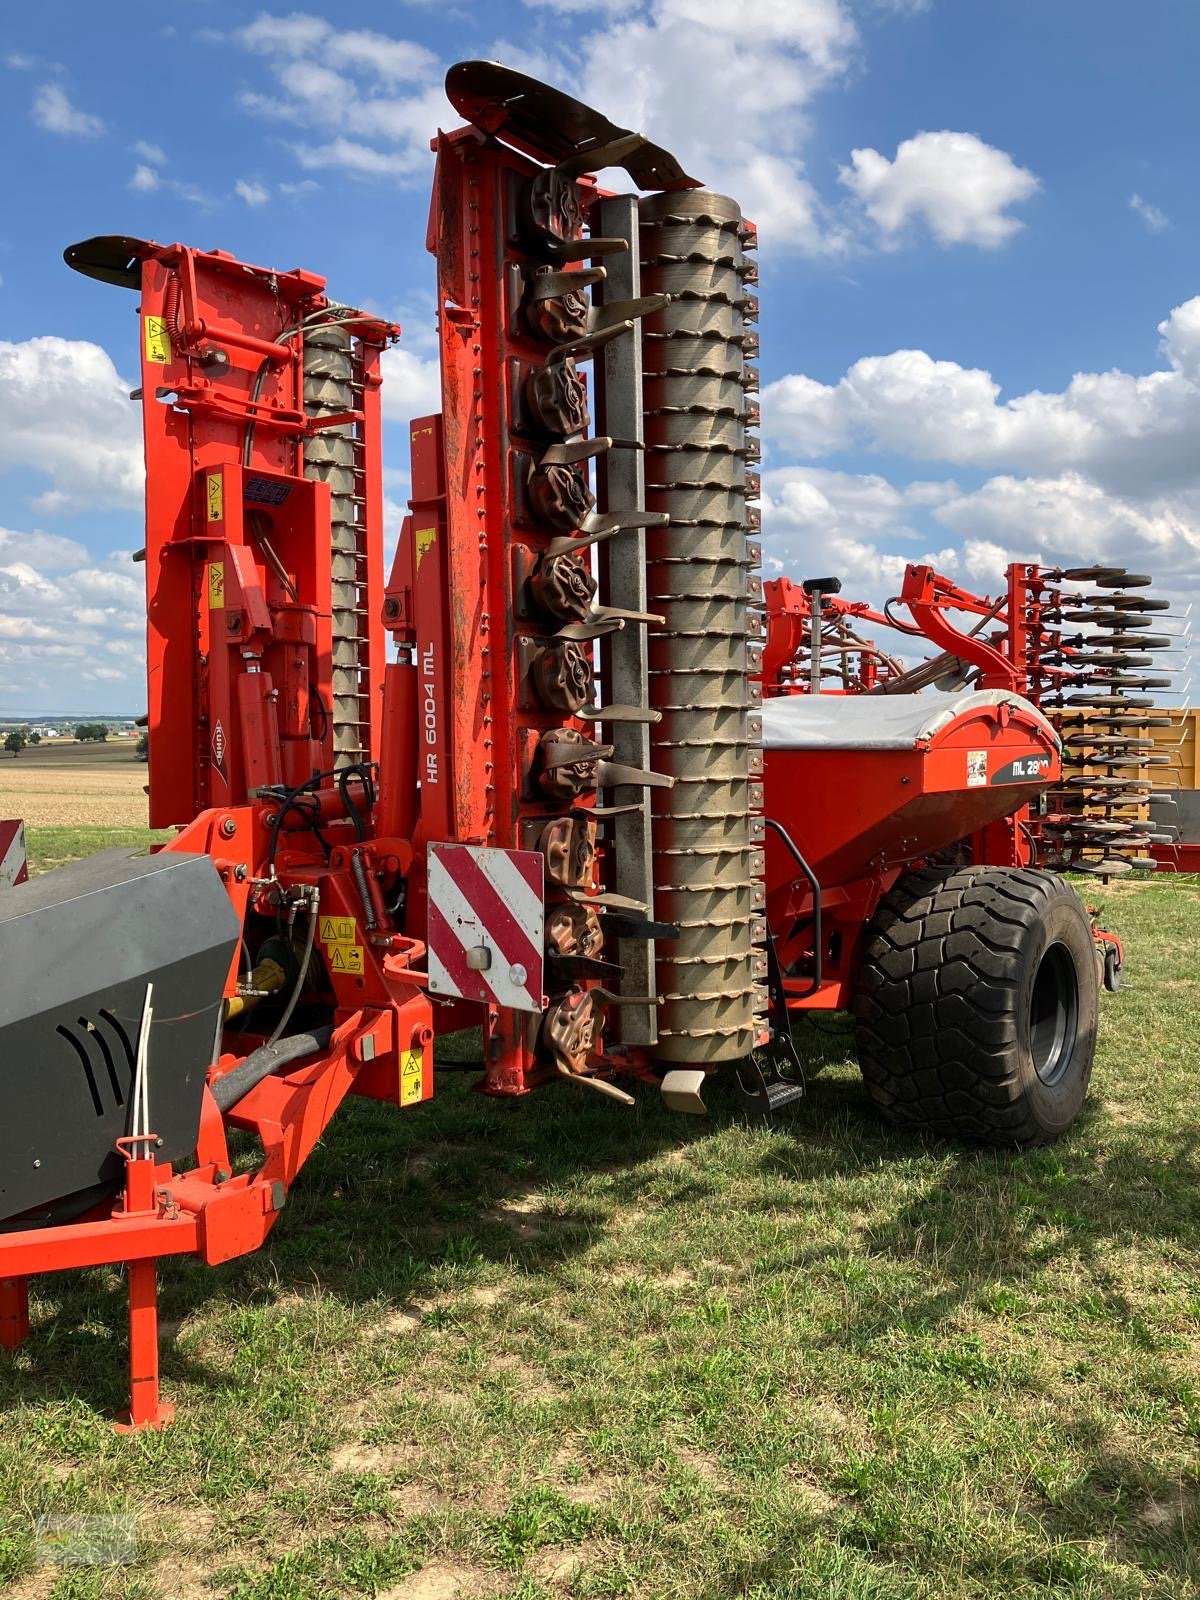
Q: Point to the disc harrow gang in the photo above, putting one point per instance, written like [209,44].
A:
[1088,675]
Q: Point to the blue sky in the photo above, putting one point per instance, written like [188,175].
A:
[979,224]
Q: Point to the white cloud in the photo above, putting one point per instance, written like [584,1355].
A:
[145,180]
[1057,519]
[48,551]
[372,101]
[65,412]
[1154,219]
[153,153]
[411,385]
[958,186]
[1107,469]
[1131,433]
[71,631]
[52,110]
[666,68]
[254,194]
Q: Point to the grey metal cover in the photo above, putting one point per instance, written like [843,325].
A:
[77,948]
[877,722]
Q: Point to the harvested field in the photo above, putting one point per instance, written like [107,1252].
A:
[75,785]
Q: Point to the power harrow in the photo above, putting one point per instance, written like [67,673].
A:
[527,782]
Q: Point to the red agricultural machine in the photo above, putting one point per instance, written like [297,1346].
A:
[529,782]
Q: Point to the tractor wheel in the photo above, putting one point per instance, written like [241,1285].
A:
[976,1006]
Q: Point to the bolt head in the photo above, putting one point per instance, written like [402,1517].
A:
[228,828]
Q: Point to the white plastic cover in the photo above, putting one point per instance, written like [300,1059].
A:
[877,721]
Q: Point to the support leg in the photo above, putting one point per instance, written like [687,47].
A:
[146,1410]
[14,1312]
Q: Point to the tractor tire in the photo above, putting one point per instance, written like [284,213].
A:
[976,1004]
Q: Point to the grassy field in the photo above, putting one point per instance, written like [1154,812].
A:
[562,1349]
[63,784]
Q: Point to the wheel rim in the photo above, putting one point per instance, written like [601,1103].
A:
[1053,1014]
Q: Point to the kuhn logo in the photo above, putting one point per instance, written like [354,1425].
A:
[218,748]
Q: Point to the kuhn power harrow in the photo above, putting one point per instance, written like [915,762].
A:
[520,784]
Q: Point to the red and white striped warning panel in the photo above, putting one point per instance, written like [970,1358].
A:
[14,868]
[486,925]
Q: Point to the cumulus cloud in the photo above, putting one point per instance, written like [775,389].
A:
[1106,469]
[67,624]
[1131,433]
[53,111]
[65,413]
[960,188]
[254,194]
[765,69]
[411,384]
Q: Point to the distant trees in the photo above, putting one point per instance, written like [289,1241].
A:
[15,743]
[142,748]
[88,731]
[35,737]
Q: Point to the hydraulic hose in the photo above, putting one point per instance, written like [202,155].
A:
[268,1058]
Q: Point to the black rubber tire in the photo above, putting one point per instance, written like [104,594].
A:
[953,964]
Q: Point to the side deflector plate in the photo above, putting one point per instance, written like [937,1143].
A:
[550,124]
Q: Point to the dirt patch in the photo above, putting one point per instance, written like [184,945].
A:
[176,1579]
[360,1458]
[1162,1515]
[560,1563]
[440,1581]
[594,1491]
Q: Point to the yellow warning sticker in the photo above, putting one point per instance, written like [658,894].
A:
[412,1076]
[215,483]
[425,539]
[158,341]
[216,585]
[337,930]
[345,957]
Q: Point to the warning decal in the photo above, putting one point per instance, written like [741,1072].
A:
[339,936]
[215,483]
[976,769]
[424,540]
[216,585]
[158,341]
[412,1076]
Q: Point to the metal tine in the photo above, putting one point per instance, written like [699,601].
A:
[613,811]
[549,285]
[625,311]
[607,998]
[589,342]
[575,450]
[611,773]
[581,249]
[619,902]
[599,525]
[593,627]
[618,714]
[606,613]
[600,1085]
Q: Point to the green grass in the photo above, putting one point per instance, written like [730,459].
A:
[54,847]
[560,1348]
